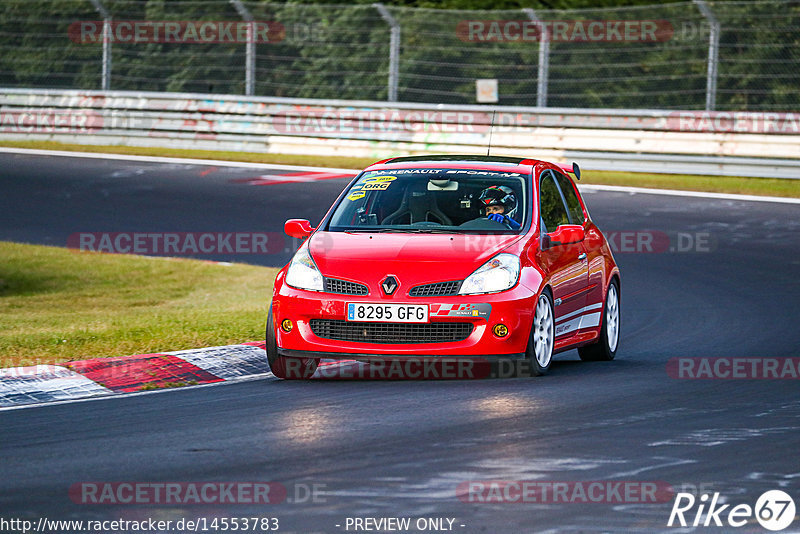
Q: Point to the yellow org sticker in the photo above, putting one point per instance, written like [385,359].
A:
[373,186]
[375,183]
[378,183]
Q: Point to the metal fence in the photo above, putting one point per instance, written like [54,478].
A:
[688,55]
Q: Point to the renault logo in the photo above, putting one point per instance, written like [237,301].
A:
[389,285]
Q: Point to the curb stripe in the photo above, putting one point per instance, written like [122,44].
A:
[112,395]
[44,383]
[229,362]
[133,373]
[93,378]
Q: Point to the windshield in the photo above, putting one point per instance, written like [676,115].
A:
[433,200]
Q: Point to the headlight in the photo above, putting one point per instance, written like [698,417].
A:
[498,274]
[303,272]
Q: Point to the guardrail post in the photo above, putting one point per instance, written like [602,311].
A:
[543,70]
[713,54]
[106,77]
[394,49]
[250,50]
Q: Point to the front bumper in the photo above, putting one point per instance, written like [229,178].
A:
[369,357]
[513,308]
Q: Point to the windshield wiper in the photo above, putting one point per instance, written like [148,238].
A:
[401,230]
[368,230]
[430,231]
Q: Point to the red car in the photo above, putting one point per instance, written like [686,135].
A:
[470,257]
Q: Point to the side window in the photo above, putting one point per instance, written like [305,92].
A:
[551,206]
[573,204]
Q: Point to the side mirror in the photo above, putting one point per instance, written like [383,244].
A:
[299,228]
[566,234]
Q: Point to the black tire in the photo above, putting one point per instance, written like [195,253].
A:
[538,366]
[281,366]
[602,350]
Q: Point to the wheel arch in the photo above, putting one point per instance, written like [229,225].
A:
[615,276]
[546,287]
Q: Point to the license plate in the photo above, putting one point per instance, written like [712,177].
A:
[387,313]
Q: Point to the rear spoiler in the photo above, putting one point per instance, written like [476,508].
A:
[572,169]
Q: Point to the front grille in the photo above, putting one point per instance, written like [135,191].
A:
[391,332]
[343,287]
[441,289]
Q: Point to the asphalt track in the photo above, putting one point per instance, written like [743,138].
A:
[402,448]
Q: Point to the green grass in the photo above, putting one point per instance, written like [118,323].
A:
[58,305]
[718,184]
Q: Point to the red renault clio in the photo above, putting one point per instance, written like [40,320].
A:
[476,257]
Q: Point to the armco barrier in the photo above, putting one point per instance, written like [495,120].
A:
[714,143]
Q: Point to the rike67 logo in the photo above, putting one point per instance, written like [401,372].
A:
[774,510]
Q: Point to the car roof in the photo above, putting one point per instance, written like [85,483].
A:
[474,161]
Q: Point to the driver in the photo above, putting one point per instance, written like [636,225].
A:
[499,202]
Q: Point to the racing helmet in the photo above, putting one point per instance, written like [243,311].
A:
[499,195]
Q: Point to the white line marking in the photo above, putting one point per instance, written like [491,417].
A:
[679,193]
[669,463]
[581,311]
[185,161]
[249,165]
[578,319]
[589,320]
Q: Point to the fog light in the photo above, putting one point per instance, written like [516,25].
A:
[286,325]
[500,330]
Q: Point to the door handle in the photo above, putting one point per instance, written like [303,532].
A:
[582,256]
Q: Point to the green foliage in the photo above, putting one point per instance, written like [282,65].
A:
[330,50]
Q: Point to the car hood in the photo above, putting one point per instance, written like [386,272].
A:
[413,258]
